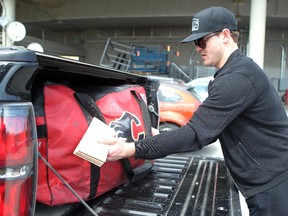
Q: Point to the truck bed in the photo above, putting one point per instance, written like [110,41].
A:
[179,184]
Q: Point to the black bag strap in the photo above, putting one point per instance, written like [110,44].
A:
[151,89]
[145,113]
[89,105]
[133,175]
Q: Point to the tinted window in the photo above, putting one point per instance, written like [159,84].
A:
[166,94]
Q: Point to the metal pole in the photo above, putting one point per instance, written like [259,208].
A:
[67,185]
[10,6]
[257,31]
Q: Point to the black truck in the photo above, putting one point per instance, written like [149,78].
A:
[179,184]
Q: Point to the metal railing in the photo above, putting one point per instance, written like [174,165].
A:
[116,55]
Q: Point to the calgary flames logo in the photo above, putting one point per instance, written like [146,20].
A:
[128,126]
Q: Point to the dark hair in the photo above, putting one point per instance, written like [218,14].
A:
[235,36]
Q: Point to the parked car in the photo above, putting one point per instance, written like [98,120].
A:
[167,79]
[176,105]
[200,86]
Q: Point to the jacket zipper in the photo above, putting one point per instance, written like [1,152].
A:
[242,147]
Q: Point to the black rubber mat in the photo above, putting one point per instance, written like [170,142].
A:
[176,185]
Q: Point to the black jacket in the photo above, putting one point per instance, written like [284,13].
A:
[245,112]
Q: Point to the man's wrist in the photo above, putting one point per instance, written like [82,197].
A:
[131,149]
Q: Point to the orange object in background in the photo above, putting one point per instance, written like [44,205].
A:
[286,97]
[176,106]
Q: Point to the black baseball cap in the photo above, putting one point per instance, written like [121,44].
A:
[212,19]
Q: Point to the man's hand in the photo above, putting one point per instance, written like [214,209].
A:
[118,148]
[154,131]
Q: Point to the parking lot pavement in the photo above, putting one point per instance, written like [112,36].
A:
[213,150]
[286,108]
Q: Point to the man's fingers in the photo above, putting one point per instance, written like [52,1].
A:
[154,131]
[108,141]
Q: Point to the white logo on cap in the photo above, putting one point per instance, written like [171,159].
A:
[195,24]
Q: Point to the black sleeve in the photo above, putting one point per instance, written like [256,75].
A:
[229,96]
[161,145]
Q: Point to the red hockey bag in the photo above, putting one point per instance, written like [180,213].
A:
[61,122]
[124,109]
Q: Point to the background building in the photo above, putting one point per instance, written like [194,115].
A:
[82,29]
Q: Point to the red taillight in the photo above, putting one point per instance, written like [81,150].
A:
[18,159]
[15,134]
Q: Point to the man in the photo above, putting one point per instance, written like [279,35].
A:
[243,111]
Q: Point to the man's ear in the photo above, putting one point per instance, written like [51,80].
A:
[226,35]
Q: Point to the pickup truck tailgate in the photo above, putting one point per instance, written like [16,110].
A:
[177,185]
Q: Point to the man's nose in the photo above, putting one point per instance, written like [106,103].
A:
[198,49]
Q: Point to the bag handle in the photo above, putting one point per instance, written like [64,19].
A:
[145,113]
[90,106]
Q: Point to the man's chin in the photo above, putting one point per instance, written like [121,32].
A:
[208,64]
